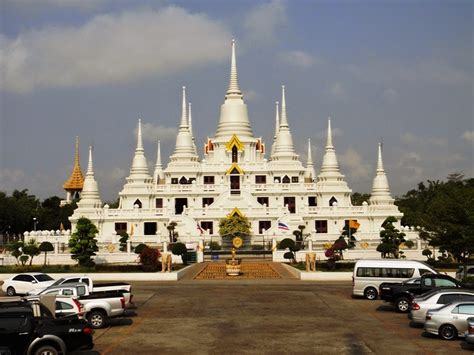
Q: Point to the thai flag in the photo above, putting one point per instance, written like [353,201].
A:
[283,225]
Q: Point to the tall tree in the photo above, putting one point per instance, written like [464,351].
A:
[83,243]
[444,211]
[391,239]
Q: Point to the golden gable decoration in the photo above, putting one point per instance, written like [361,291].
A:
[234,142]
[234,169]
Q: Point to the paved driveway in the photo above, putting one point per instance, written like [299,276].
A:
[263,317]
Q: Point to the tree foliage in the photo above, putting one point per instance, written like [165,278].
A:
[290,244]
[444,211]
[391,239]
[18,210]
[45,247]
[357,198]
[83,243]
[31,249]
[123,241]
[234,225]
[149,259]
[180,249]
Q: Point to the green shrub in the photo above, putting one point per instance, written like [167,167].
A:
[468,280]
[286,243]
[215,246]
[123,241]
[149,259]
[139,248]
[180,249]
[23,259]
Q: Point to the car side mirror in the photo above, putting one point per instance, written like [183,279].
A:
[34,281]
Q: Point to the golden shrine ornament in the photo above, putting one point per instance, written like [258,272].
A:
[237,242]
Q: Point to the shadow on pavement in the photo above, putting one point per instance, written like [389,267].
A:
[415,325]
[119,322]
[385,308]
[466,346]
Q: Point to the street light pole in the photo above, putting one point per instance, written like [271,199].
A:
[34,222]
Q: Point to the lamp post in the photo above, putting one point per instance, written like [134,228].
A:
[35,220]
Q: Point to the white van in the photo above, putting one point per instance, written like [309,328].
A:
[369,274]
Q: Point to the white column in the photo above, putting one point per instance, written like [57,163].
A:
[129,246]
[310,244]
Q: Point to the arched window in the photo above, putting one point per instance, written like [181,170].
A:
[286,179]
[183,180]
[234,154]
[138,203]
[332,201]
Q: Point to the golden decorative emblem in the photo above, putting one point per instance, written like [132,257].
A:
[364,245]
[237,242]
[111,248]
[327,245]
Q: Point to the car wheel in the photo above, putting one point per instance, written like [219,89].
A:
[370,293]
[11,291]
[46,350]
[448,332]
[403,305]
[96,319]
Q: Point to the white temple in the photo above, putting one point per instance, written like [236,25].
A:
[234,175]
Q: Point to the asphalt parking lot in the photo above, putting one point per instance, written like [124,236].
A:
[263,317]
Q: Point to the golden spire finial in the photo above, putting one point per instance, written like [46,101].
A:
[76,180]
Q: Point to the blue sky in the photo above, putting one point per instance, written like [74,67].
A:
[397,70]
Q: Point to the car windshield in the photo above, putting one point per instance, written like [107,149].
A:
[415,280]
[58,282]
[43,277]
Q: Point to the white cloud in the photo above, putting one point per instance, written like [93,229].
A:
[468,136]
[112,49]
[152,133]
[262,23]
[357,169]
[297,58]
[251,95]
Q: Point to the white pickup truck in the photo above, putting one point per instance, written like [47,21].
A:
[99,306]
[92,287]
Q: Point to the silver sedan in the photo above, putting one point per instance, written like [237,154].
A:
[436,299]
[449,321]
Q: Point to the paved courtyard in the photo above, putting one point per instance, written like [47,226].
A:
[272,316]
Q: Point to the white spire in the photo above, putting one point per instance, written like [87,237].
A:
[139,168]
[184,150]
[284,117]
[277,125]
[158,174]
[190,124]
[380,189]
[90,197]
[284,148]
[184,115]
[234,116]
[310,173]
[330,165]
[233,89]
